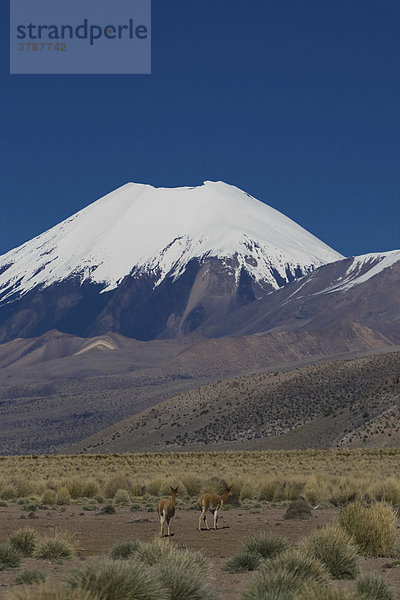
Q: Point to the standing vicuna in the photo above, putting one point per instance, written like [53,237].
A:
[166,510]
[213,503]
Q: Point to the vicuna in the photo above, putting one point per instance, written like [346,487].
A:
[213,503]
[166,510]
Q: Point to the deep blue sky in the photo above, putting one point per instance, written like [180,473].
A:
[296,102]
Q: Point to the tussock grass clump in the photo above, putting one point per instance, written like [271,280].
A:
[192,485]
[335,549]
[23,487]
[75,487]
[152,553]
[248,491]
[63,496]
[108,509]
[24,540]
[10,557]
[119,580]
[373,528]
[286,575]
[118,481]
[153,488]
[8,492]
[265,545]
[122,497]
[185,576]
[58,545]
[30,577]
[242,561]
[388,490]
[90,489]
[374,587]
[44,592]
[313,593]
[49,497]
[124,550]
[268,490]
[307,568]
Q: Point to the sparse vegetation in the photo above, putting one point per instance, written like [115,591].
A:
[271,476]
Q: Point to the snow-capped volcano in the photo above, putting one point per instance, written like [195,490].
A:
[158,231]
[153,262]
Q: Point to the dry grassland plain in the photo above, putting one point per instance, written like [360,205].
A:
[101,501]
[326,477]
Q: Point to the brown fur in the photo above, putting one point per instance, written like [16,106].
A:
[166,510]
[213,503]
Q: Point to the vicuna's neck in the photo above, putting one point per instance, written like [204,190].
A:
[225,496]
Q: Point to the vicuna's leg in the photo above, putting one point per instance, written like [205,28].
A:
[203,517]
[162,520]
[215,518]
[168,520]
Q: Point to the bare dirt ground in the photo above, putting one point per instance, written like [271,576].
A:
[97,533]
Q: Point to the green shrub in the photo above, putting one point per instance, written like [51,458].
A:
[373,528]
[24,540]
[374,587]
[335,549]
[242,561]
[10,557]
[119,580]
[265,545]
[29,577]
[124,550]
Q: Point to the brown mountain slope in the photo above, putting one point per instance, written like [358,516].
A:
[334,295]
[59,389]
[328,404]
